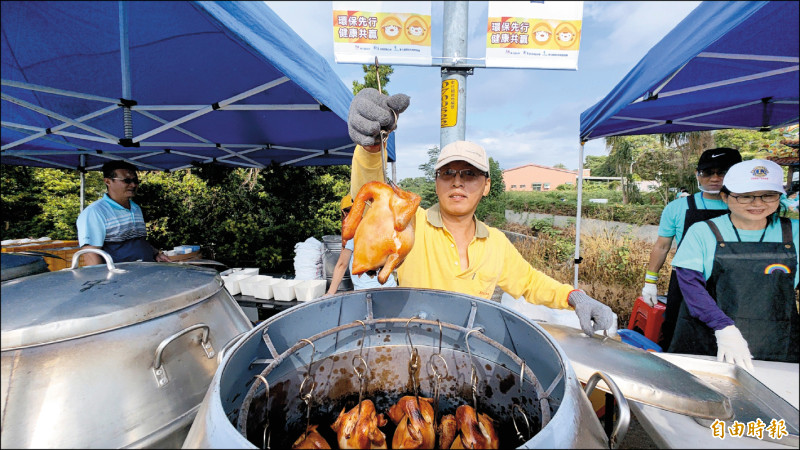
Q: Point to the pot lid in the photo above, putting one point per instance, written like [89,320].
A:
[71,303]
[641,376]
[15,266]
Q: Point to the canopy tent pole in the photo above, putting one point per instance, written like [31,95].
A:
[82,170]
[578,258]
[125,66]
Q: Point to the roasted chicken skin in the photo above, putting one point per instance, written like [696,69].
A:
[414,420]
[311,440]
[354,430]
[447,431]
[474,432]
[385,234]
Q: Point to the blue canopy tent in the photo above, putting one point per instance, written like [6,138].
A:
[726,65]
[164,85]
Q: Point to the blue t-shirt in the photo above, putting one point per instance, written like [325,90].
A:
[365,281]
[673,215]
[698,247]
[107,221]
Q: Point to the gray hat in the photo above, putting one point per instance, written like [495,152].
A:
[463,151]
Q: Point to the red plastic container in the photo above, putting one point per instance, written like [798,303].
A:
[646,319]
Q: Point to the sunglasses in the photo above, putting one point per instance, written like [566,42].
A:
[127,180]
[705,173]
[467,175]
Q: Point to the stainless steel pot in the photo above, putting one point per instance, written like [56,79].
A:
[381,326]
[111,356]
[15,266]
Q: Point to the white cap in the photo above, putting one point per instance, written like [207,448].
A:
[754,175]
[463,151]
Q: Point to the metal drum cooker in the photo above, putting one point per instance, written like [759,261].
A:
[306,364]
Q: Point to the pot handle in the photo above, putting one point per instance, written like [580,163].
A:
[109,262]
[623,410]
[161,372]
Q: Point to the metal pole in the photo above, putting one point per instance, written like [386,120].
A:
[125,63]
[82,168]
[394,172]
[578,216]
[454,79]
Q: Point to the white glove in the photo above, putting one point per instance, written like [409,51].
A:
[732,348]
[650,294]
[593,315]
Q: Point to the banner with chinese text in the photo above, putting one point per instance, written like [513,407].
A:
[544,34]
[395,32]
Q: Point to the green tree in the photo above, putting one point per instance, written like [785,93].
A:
[422,187]
[371,80]
[751,144]
[599,166]
[560,166]
[621,155]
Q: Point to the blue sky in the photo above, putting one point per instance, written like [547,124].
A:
[520,116]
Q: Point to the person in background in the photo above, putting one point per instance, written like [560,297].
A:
[114,223]
[345,261]
[790,201]
[682,193]
[453,250]
[738,274]
[676,218]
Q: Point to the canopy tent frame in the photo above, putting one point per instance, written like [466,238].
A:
[267,81]
[722,96]
[140,140]
[256,41]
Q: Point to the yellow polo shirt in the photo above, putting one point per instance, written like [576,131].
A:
[434,262]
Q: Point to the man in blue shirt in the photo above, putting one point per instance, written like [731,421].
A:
[114,223]
[676,218]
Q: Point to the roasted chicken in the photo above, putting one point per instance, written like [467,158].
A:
[311,439]
[414,420]
[385,234]
[473,432]
[447,431]
[354,430]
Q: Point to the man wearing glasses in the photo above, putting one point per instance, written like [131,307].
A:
[676,218]
[453,250]
[114,223]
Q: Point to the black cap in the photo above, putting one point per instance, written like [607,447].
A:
[722,157]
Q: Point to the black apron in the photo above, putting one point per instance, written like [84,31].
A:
[674,296]
[136,249]
[759,299]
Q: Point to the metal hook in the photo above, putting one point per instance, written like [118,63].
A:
[520,436]
[384,135]
[473,372]
[437,374]
[266,442]
[413,363]
[307,397]
[360,373]
[517,407]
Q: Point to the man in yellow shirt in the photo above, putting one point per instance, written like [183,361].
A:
[453,250]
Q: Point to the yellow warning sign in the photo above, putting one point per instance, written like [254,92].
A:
[449,103]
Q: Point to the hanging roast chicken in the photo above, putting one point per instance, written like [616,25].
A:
[414,419]
[311,439]
[358,428]
[385,234]
[471,430]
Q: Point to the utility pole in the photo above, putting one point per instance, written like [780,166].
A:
[454,73]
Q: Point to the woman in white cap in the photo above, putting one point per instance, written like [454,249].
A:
[738,274]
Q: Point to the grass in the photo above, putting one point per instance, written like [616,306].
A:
[613,264]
